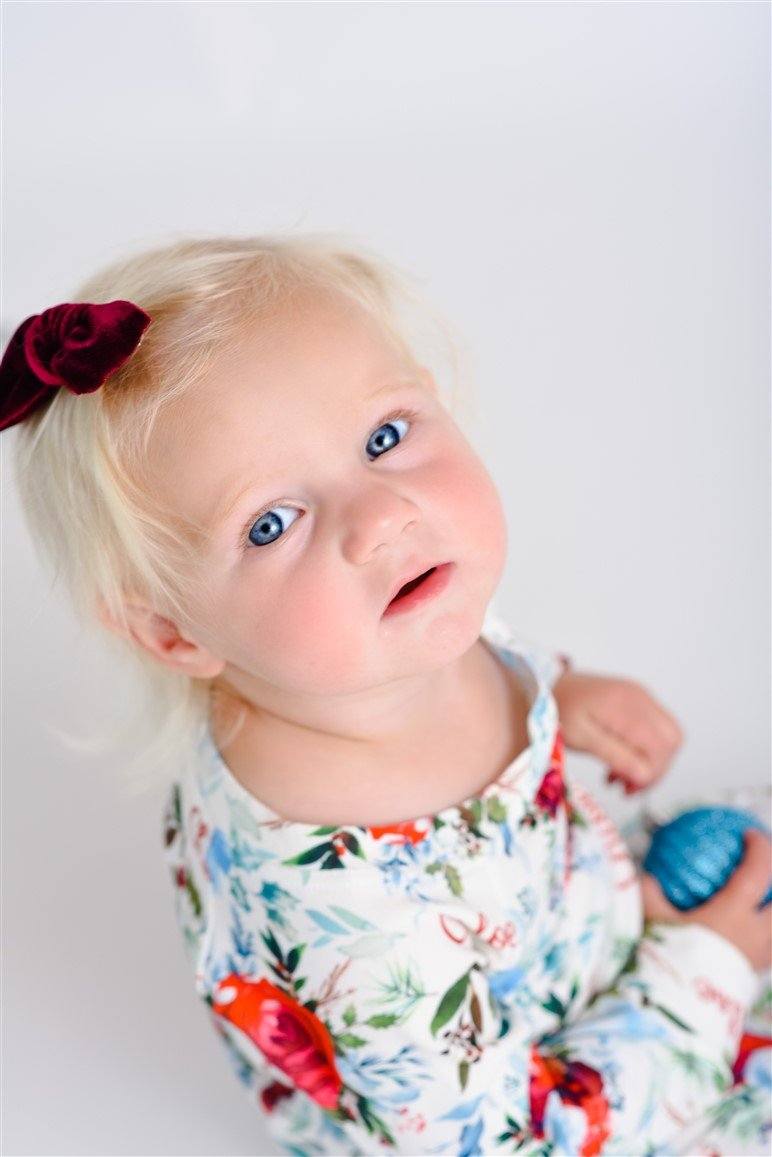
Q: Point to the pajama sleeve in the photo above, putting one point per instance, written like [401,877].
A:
[192,909]
[652,1052]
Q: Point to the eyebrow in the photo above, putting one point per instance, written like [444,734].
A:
[224,510]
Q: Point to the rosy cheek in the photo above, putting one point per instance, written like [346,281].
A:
[318,640]
[471,498]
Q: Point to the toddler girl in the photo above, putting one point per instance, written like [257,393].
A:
[412,933]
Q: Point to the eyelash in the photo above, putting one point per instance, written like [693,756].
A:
[409,415]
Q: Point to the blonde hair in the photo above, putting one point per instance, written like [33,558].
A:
[79,460]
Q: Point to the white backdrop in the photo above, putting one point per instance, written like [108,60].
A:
[583,190]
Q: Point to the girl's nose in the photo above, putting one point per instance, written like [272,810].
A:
[376,516]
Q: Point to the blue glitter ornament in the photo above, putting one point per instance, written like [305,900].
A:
[694,854]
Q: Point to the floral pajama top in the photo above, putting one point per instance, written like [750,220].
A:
[469,982]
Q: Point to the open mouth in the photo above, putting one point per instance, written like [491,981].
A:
[411,586]
[420,589]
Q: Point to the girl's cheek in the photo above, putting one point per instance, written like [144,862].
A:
[302,626]
[483,510]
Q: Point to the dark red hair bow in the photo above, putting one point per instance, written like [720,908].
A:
[77,345]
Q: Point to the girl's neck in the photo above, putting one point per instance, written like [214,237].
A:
[461,745]
[370,724]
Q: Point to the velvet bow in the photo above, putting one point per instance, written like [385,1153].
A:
[77,345]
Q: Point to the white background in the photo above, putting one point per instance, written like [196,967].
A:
[583,190]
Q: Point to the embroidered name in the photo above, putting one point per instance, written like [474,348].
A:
[731,1008]
[612,842]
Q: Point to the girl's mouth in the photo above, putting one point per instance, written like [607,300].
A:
[420,589]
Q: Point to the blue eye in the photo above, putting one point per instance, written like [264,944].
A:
[269,525]
[272,522]
[384,437]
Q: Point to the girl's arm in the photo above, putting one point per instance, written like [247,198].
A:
[619,722]
[615,719]
[649,1055]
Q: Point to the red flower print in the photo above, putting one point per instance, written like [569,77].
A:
[408,832]
[290,1036]
[273,1093]
[551,792]
[576,1084]
[749,1042]
[552,789]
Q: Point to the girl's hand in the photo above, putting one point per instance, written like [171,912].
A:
[618,721]
[733,910]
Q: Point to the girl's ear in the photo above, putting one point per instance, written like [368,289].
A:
[161,638]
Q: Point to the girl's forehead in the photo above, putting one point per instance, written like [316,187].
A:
[327,329]
[333,358]
[325,360]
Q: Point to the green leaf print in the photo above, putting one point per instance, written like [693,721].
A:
[625,950]
[450,1003]
[382,1020]
[192,891]
[699,1067]
[332,861]
[352,843]
[497,812]
[576,817]
[311,855]
[293,957]
[402,990]
[272,944]
[373,1122]
[173,817]
[670,1015]
[349,1016]
[454,880]
[553,1004]
[350,1040]
[463,1074]
[515,1132]
[743,1109]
